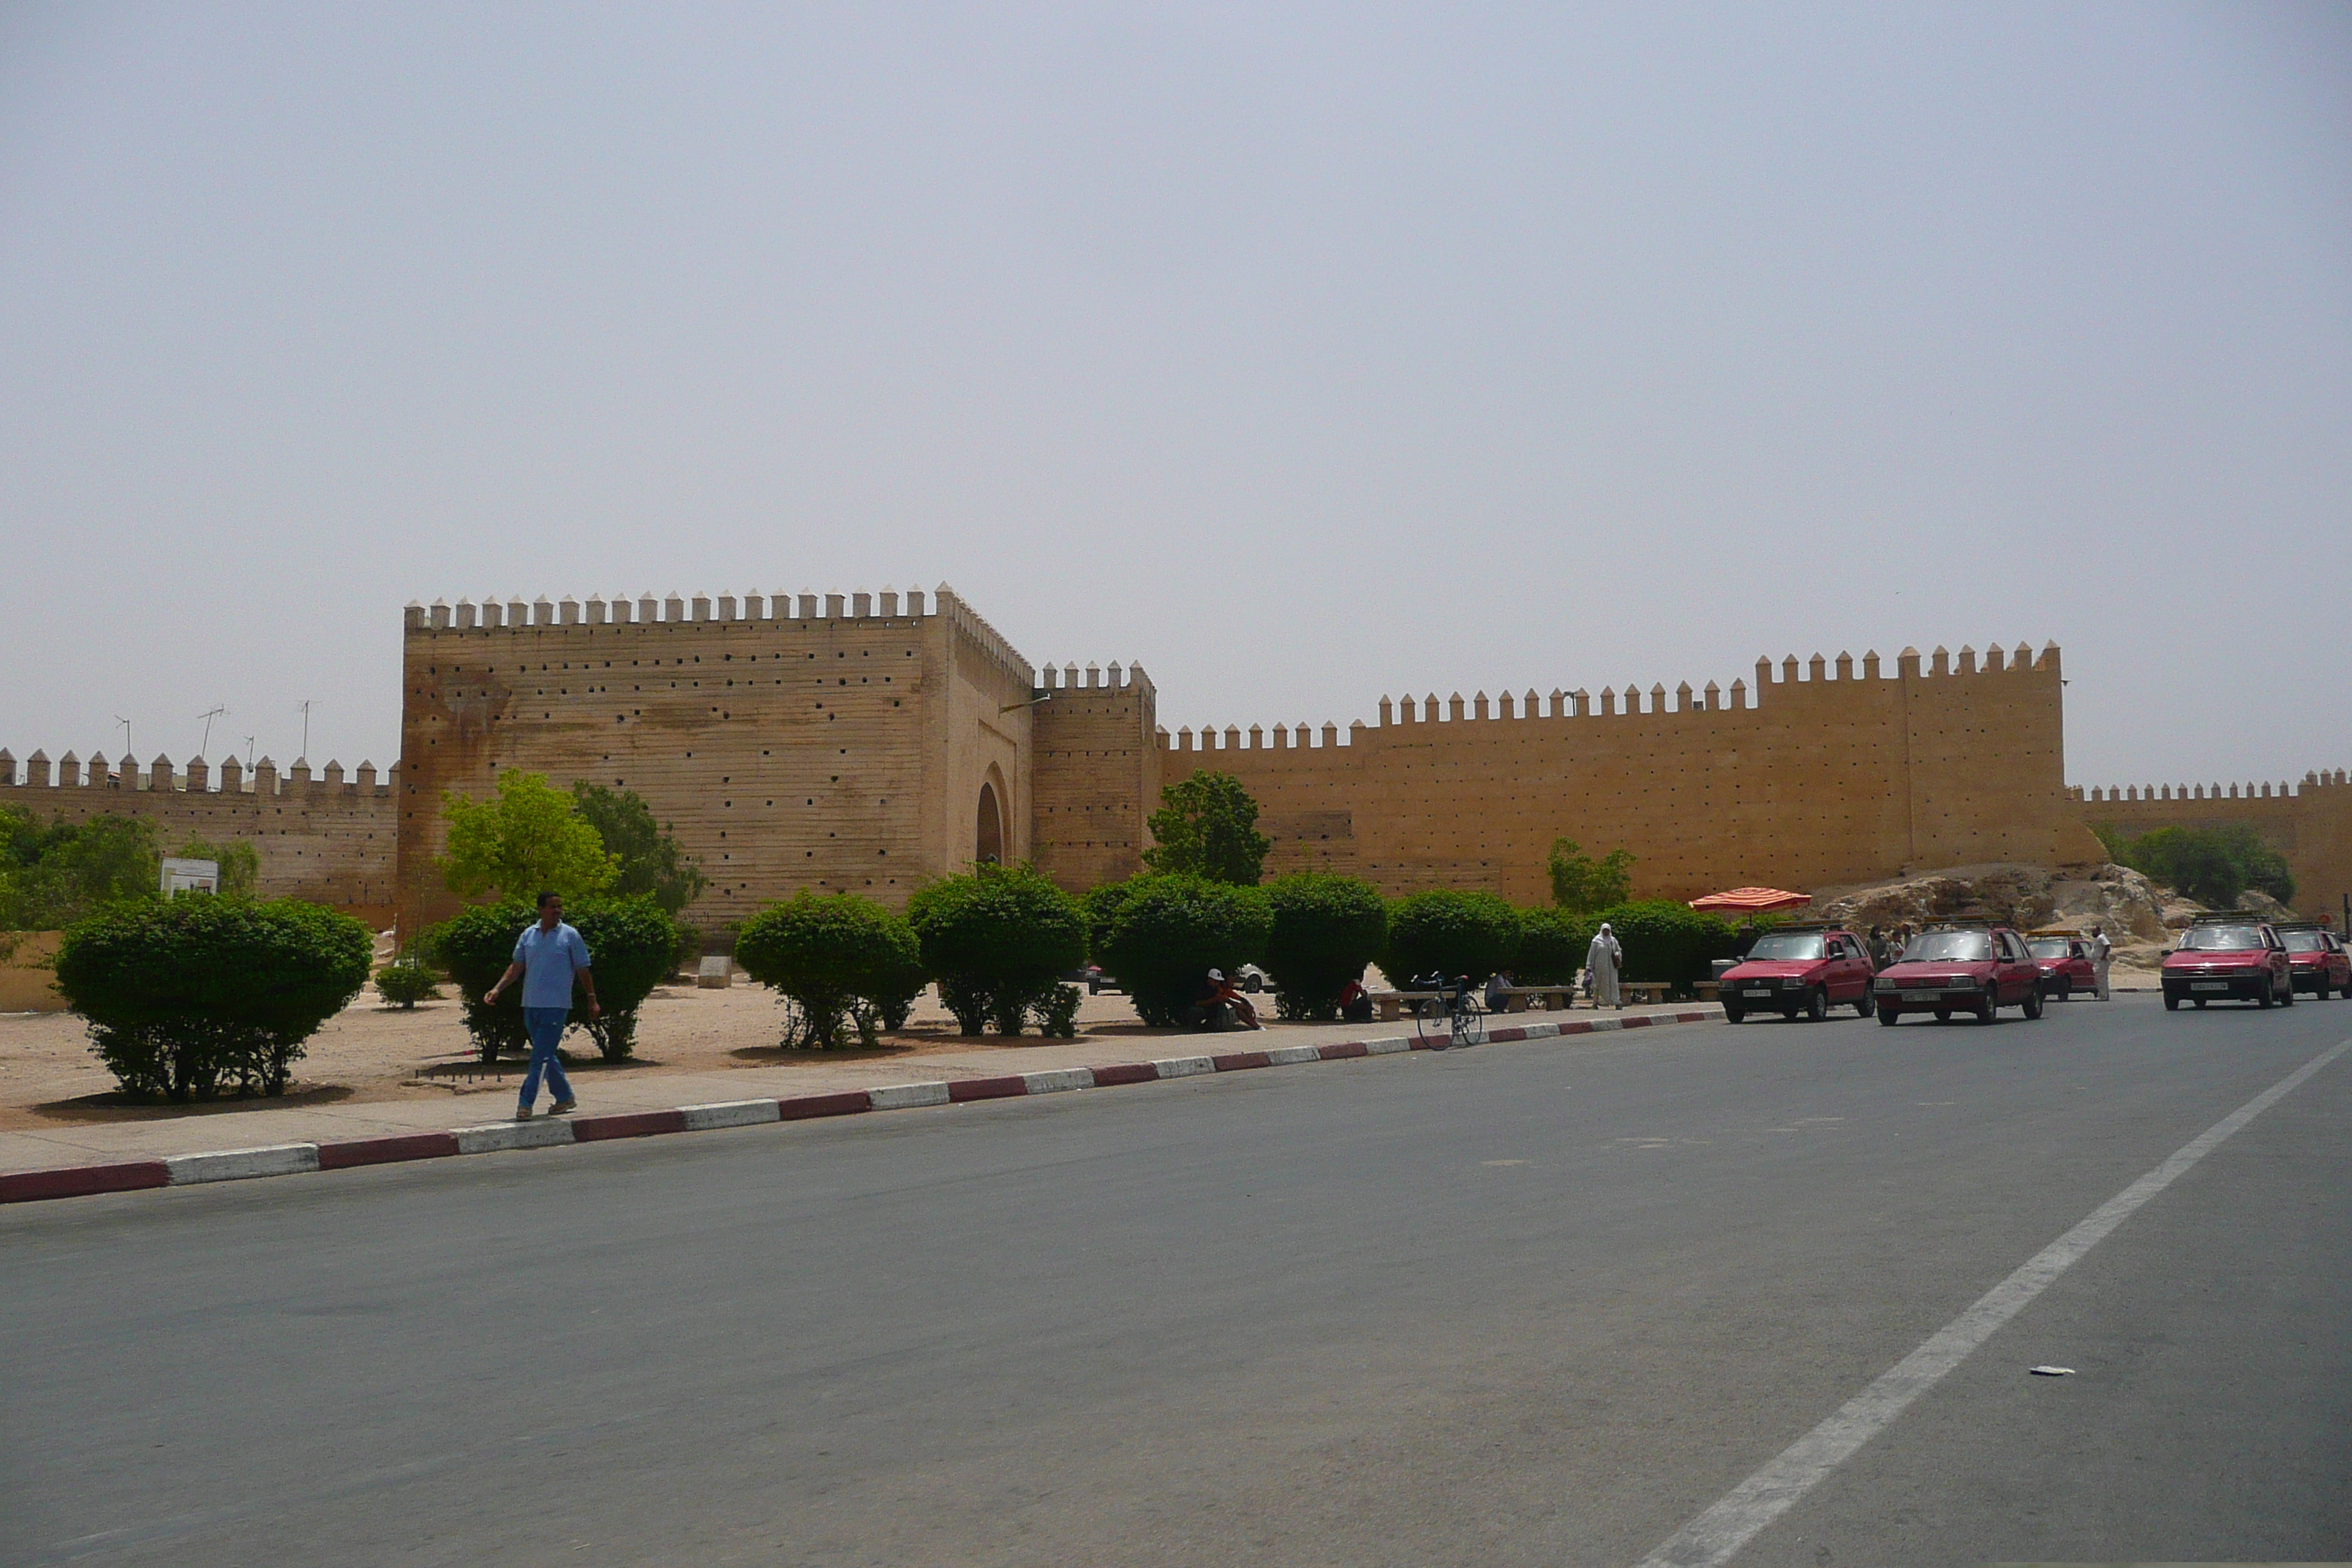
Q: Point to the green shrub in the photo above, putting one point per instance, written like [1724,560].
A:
[647,859]
[999,938]
[1160,934]
[406,981]
[1552,945]
[188,997]
[1666,940]
[1449,932]
[2211,865]
[1057,1013]
[1325,930]
[832,955]
[473,948]
[528,838]
[631,946]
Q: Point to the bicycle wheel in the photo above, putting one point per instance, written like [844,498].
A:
[1430,1024]
[1469,1025]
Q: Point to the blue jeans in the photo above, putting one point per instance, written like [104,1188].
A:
[546,1027]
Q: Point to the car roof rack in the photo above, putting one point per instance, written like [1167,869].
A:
[2229,917]
[2300,925]
[2053,930]
[1963,922]
[1803,925]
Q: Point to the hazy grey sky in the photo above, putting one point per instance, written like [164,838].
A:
[1303,354]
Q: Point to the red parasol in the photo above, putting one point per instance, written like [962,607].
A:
[1750,900]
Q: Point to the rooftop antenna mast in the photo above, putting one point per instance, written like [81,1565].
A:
[305,705]
[218,712]
[126,733]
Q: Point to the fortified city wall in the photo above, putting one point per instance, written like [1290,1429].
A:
[329,839]
[2309,824]
[1802,782]
[1096,774]
[860,742]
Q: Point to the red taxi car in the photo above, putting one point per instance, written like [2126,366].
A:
[1799,969]
[2065,960]
[2317,960]
[2228,957]
[1949,969]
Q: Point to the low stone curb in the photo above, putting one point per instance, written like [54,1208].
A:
[547,1132]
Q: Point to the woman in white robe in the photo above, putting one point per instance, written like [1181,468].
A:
[1602,960]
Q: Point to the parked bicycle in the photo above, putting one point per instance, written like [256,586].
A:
[1453,1016]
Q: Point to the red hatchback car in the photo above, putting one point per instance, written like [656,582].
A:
[2227,958]
[2317,960]
[1799,969]
[2065,964]
[1949,969]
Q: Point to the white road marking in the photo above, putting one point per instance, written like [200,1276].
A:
[1715,1536]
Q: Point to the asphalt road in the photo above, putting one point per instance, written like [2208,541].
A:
[1536,1303]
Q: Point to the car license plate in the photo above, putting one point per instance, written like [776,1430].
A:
[2209,985]
[1758,993]
[1921,997]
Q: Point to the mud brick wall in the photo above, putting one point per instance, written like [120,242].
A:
[2310,824]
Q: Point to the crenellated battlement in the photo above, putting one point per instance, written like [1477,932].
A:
[1094,677]
[2117,795]
[1409,712]
[159,774]
[513,614]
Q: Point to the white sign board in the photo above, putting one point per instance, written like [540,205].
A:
[190,877]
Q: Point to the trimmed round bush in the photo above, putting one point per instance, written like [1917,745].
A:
[831,955]
[191,996]
[999,938]
[1160,934]
[1666,940]
[1552,945]
[1449,932]
[631,947]
[406,981]
[1325,930]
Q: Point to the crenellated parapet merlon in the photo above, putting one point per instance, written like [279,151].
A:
[2117,795]
[1407,711]
[1093,678]
[648,609]
[161,774]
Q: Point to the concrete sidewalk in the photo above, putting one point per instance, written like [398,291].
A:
[622,1092]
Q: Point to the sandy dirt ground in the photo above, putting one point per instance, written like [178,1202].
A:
[48,1075]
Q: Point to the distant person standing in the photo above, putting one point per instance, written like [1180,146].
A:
[549,956]
[2102,949]
[1601,960]
[1878,951]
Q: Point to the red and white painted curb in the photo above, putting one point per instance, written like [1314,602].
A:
[547,1132]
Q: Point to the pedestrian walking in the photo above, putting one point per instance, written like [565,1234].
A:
[1879,955]
[549,956]
[2102,949]
[1601,959]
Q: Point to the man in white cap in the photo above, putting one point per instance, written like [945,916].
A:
[1602,960]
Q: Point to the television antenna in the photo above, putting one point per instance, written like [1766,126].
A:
[126,733]
[207,719]
[249,754]
[305,705]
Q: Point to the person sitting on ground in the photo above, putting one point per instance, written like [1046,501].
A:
[1355,1003]
[1225,999]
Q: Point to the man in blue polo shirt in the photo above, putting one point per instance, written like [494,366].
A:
[549,956]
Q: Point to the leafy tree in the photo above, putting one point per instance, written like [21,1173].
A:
[1160,933]
[527,839]
[55,874]
[833,956]
[1552,945]
[1325,930]
[2214,865]
[1665,941]
[1580,884]
[1000,939]
[1449,932]
[239,863]
[648,859]
[631,943]
[1207,827]
[188,996]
